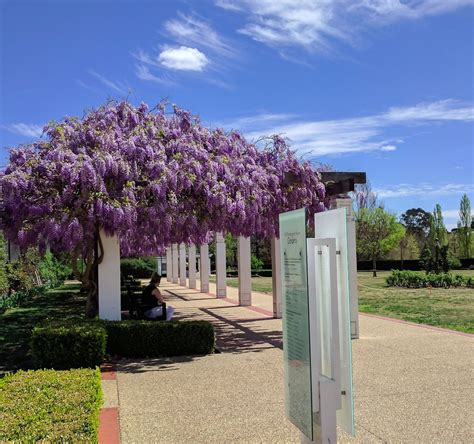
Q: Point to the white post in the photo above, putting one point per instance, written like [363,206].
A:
[192,266]
[276,278]
[13,251]
[174,263]
[182,264]
[109,279]
[204,268]
[352,262]
[168,264]
[221,284]
[245,270]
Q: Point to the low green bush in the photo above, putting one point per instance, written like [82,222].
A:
[50,406]
[53,270]
[416,279]
[139,268]
[140,339]
[17,298]
[68,345]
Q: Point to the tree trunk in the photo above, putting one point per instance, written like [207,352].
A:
[92,304]
[374,268]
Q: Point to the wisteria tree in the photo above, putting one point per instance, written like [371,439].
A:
[153,178]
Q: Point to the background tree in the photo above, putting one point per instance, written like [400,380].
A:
[417,223]
[231,251]
[3,263]
[365,197]
[407,249]
[464,232]
[377,232]
[437,229]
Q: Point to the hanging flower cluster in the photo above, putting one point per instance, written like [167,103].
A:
[151,177]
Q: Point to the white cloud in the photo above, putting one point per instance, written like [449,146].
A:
[189,30]
[254,122]
[453,214]
[440,110]
[116,86]
[317,24]
[388,148]
[24,129]
[426,190]
[144,73]
[349,135]
[183,58]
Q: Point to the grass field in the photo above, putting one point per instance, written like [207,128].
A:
[451,308]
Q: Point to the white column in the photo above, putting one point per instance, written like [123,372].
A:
[276,277]
[174,263]
[168,264]
[13,251]
[221,284]
[204,268]
[245,270]
[352,261]
[109,279]
[182,264]
[192,266]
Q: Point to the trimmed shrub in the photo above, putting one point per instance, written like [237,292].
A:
[68,345]
[50,406]
[139,339]
[139,268]
[414,279]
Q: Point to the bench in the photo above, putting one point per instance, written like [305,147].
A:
[136,308]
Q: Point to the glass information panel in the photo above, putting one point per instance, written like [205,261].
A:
[333,224]
[296,343]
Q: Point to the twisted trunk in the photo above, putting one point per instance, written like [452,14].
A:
[88,277]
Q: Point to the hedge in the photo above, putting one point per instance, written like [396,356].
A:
[81,343]
[68,345]
[50,406]
[138,339]
[139,268]
[414,279]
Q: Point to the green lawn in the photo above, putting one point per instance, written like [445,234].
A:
[260,284]
[451,308]
[16,323]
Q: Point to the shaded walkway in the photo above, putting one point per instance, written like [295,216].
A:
[412,384]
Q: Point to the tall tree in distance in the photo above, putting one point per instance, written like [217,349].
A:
[417,222]
[464,226]
[438,232]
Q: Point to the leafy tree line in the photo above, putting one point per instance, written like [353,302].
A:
[418,234]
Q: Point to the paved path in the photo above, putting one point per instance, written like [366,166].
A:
[412,384]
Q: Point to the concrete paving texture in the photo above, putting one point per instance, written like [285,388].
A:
[412,383]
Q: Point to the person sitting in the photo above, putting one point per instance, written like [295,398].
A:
[152,299]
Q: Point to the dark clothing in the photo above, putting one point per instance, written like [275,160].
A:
[148,299]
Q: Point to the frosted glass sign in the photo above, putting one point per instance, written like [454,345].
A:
[296,341]
[333,224]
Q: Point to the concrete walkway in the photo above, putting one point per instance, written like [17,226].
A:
[412,384]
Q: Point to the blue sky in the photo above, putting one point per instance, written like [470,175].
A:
[381,86]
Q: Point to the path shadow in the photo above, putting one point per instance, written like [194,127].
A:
[232,337]
[161,364]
